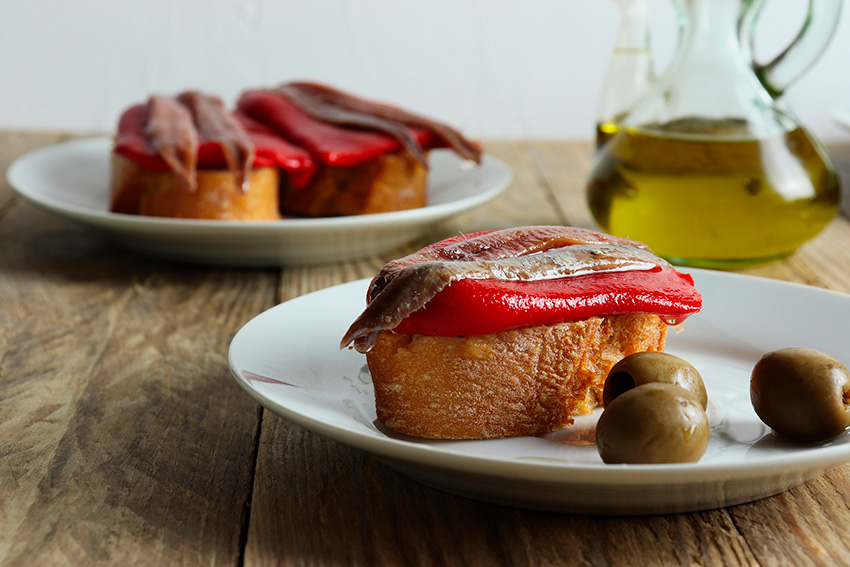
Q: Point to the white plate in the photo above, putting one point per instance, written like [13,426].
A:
[72,180]
[288,359]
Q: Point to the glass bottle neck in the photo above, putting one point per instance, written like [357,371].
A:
[710,30]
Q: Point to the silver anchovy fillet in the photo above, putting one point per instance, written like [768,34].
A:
[416,284]
[496,245]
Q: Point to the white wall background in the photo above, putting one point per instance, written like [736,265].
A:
[496,68]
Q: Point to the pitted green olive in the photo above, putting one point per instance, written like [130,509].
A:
[646,367]
[801,393]
[653,423]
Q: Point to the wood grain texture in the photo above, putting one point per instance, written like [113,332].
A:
[124,441]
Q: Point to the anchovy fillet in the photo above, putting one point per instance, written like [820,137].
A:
[415,285]
[496,245]
[176,126]
[216,124]
[172,135]
[331,105]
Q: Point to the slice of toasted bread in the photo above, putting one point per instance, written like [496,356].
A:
[391,182]
[138,190]
[528,381]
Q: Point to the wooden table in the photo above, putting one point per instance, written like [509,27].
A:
[124,440]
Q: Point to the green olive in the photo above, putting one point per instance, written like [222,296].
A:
[653,423]
[645,367]
[801,393]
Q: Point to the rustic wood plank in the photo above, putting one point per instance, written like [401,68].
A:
[806,526]
[358,512]
[824,261]
[296,281]
[525,202]
[362,513]
[563,169]
[123,439]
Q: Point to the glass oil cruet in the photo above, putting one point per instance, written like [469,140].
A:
[630,72]
[710,168]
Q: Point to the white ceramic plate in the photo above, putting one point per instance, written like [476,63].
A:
[72,180]
[288,359]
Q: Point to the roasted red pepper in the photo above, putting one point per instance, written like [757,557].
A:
[343,109]
[270,149]
[330,144]
[481,307]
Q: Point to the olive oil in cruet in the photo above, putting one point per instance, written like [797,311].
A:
[710,168]
[720,202]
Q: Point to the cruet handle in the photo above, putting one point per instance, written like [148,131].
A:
[815,34]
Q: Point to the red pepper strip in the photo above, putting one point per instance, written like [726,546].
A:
[271,149]
[331,105]
[171,131]
[131,142]
[480,307]
[217,125]
[330,144]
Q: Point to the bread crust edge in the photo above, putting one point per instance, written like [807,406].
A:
[528,381]
[137,190]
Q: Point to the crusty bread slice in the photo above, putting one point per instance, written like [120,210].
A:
[528,381]
[138,190]
[390,182]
